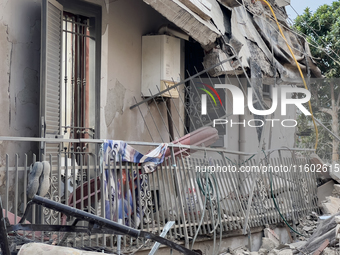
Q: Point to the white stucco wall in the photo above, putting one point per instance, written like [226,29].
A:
[19,73]
[129,20]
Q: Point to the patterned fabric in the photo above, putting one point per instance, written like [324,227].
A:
[113,149]
[116,181]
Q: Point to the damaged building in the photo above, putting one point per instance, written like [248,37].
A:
[116,102]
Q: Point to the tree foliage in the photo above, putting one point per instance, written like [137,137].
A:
[322,29]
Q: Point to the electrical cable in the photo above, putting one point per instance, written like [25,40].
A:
[210,188]
[201,221]
[300,71]
[275,204]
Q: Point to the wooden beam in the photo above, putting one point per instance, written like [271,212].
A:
[322,247]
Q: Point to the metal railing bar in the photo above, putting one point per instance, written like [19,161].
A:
[185,107]
[96,190]
[183,189]
[164,204]
[287,193]
[226,201]
[203,228]
[161,115]
[16,188]
[191,97]
[145,123]
[170,118]
[25,187]
[193,196]
[156,198]
[74,193]
[180,197]
[81,140]
[59,189]
[133,169]
[222,200]
[209,98]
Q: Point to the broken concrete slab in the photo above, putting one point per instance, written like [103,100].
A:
[42,249]
[198,8]
[268,244]
[324,191]
[297,244]
[286,252]
[269,233]
[199,29]
[216,56]
[331,205]
[326,230]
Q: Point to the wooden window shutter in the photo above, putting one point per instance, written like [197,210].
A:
[50,75]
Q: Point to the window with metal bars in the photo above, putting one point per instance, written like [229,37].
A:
[77,90]
[70,74]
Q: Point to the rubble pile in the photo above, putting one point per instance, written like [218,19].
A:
[320,235]
[307,226]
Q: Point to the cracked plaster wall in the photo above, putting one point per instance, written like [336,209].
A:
[19,81]
[128,21]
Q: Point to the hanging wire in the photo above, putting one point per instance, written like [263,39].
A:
[299,68]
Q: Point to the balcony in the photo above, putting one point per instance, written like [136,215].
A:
[204,192]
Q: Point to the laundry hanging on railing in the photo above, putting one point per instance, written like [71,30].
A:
[113,149]
[121,200]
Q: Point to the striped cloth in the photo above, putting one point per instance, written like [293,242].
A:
[114,148]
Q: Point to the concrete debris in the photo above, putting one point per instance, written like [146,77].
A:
[322,247]
[269,233]
[297,245]
[336,190]
[263,251]
[286,252]
[240,251]
[325,190]
[330,251]
[323,236]
[325,230]
[337,219]
[307,226]
[41,249]
[268,244]
[331,205]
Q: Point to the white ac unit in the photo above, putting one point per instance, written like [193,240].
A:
[161,64]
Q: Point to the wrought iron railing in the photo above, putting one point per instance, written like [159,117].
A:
[204,195]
